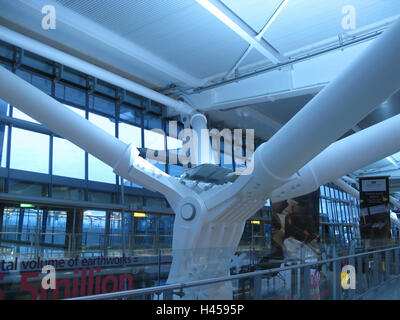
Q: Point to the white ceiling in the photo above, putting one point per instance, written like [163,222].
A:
[186,42]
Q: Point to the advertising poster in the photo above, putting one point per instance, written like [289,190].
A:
[295,227]
[295,237]
[374,206]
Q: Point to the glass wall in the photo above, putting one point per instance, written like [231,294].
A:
[10,224]
[145,230]
[68,159]
[4,109]
[98,170]
[93,229]
[31,221]
[56,224]
[29,151]
[115,238]
[165,230]
[130,134]
[339,214]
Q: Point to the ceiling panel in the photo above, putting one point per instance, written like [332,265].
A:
[181,32]
[255,13]
[192,39]
[254,58]
[283,110]
[124,16]
[304,22]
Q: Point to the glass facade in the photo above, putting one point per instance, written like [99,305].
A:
[68,159]
[93,228]
[29,151]
[54,228]
[339,214]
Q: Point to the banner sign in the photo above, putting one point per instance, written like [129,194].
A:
[295,225]
[69,277]
[374,205]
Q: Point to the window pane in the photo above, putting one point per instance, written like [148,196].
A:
[97,196]
[98,170]
[93,228]
[3,149]
[10,223]
[69,193]
[28,188]
[55,227]
[165,226]
[154,140]
[102,104]
[29,151]
[145,230]
[130,134]
[104,123]
[151,121]
[30,224]
[68,159]
[21,115]
[4,107]
[115,229]
[130,114]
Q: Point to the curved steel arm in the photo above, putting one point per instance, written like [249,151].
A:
[360,88]
[343,157]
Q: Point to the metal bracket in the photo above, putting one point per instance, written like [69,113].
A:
[91,84]
[58,71]
[17,57]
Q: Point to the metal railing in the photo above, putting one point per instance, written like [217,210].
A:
[319,280]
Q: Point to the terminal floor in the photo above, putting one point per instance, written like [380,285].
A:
[389,291]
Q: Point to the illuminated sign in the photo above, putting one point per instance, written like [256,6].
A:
[26,205]
[139,214]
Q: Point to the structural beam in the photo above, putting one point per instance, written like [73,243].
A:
[258,37]
[51,53]
[230,19]
[390,159]
[343,157]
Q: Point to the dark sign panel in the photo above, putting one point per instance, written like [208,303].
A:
[374,205]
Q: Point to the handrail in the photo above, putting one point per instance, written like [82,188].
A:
[196,283]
